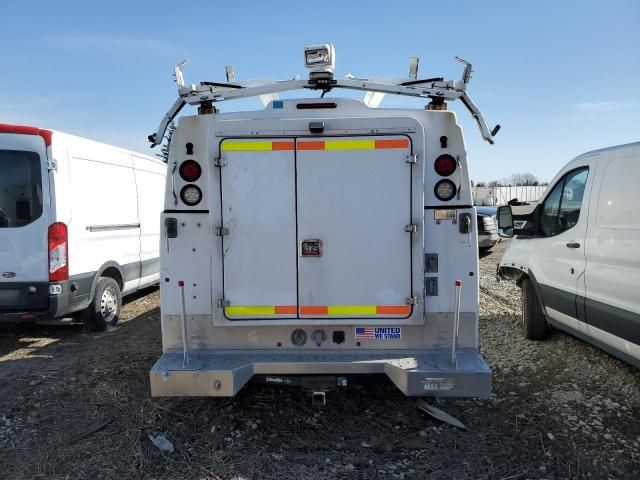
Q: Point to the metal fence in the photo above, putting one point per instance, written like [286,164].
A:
[501,195]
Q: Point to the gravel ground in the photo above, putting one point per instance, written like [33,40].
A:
[77,405]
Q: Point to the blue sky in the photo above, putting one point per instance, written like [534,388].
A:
[561,77]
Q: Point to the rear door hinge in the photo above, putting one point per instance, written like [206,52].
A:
[412,159]
[221,231]
[412,228]
[52,165]
[219,162]
[223,303]
[411,300]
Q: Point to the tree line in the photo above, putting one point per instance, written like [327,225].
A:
[513,180]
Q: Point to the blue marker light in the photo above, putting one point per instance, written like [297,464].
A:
[278,104]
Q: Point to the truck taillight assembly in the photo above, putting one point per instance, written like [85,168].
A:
[191,195]
[190,171]
[445,165]
[58,253]
[445,190]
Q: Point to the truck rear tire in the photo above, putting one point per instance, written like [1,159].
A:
[104,310]
[534,323]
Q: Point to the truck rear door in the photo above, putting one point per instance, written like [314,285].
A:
[316,228]
[259,215]
[354,202]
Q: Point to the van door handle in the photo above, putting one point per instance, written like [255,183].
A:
[573,245]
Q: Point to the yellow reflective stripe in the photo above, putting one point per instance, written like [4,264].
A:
[233,146]
[238,311]
[352,310]
[330,310]
[349,144]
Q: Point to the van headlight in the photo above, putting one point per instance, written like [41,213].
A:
[191,195]
[445,190]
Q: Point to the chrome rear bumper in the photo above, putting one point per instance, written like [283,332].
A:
[223,374]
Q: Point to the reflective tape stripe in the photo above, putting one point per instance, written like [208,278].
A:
[313,310]
[396,143]
[314,145]
[349,144]
[286,310]
[255,310]
[241,146]
[317,310]
[243,311]
[356,310]
[282,145]
[262,146]
[369,144]
[352,309]
[393,310]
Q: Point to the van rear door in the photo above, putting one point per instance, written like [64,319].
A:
[24,219]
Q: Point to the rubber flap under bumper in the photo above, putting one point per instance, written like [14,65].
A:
[414,373]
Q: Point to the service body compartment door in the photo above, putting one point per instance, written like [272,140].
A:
[354,202]
[259,215]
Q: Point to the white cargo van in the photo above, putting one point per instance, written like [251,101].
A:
[577,257]
[320,237]
[79,226]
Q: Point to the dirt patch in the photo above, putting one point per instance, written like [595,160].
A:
[77,405]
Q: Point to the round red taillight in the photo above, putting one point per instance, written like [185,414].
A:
[445,165]
[190,170]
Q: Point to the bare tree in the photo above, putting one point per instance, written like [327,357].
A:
[481,184]
[494,183]
[521,179]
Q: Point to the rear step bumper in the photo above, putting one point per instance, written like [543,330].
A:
[414,373]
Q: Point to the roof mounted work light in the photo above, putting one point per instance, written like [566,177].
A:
[320,58]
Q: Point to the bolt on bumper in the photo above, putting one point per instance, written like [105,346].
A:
[223,374]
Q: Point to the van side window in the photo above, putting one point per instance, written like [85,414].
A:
[561,209]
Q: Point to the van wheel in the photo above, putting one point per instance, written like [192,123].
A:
[534,324]
[104,309]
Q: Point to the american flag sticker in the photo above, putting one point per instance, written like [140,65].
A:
[378,333]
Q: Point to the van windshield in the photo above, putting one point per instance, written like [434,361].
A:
[20,188]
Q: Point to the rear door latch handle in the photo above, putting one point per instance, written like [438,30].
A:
[573,245]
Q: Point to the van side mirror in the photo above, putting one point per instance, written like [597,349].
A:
[505,221]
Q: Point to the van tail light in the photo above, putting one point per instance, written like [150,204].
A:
[58,253]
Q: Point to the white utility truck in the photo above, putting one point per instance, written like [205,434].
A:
[79,226]
[319,238]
